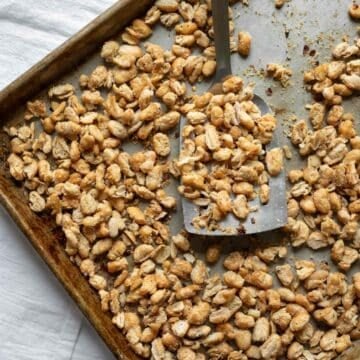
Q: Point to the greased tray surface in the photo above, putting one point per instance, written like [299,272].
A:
[278,36]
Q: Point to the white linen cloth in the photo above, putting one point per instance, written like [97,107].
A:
[38,320]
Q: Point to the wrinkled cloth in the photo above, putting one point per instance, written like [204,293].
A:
[38,320]
[30,29]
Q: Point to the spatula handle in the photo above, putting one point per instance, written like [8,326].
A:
[220,14]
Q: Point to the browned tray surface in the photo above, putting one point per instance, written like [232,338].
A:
[40,229]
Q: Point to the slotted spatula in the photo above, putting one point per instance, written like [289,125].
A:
[271,216]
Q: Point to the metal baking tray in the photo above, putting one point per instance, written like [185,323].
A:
[278,36]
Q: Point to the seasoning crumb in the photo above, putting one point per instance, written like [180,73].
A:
[269,92]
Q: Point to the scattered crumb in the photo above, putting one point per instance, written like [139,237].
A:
[279,72]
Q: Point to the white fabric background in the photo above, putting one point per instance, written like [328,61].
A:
[38,320]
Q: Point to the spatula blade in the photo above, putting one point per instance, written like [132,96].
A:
[268,217]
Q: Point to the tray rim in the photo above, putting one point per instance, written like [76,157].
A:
[39,76]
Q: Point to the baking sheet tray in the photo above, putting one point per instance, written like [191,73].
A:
[278,36]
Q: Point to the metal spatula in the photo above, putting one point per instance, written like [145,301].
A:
[272,215]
